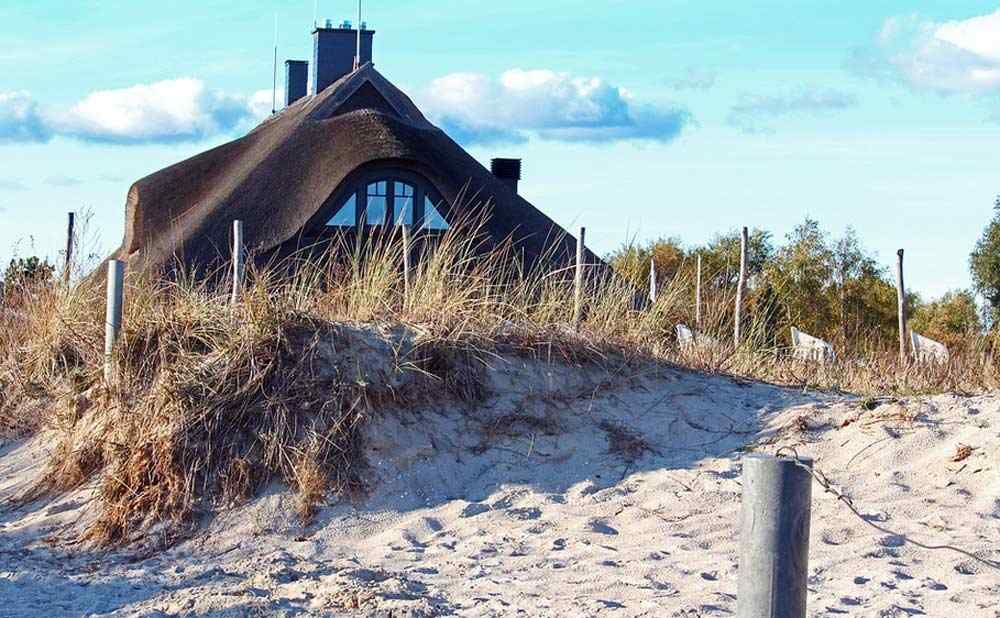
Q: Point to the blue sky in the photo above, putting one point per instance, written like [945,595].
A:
[640,118]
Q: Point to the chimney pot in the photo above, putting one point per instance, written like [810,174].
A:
[507,171]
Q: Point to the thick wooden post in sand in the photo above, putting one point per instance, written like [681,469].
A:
[578,295]
[70,235]
[901,304]
[774,537]
[239,261]
[113,316]
[741,287]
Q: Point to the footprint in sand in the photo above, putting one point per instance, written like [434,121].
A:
[473,509]
[968,567]
[892,540]
[524,514]
[601,527]
[837,536]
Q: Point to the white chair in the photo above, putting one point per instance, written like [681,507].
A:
[927,350]
[807,347]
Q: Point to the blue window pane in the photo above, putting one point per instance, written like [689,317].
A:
[432,217]
[376,210]
[377,203]
[347,215]
[402,204]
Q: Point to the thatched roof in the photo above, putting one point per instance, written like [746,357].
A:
[279,178]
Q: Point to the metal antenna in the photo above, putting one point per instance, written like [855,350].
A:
[357,57]
[315,13]
[274,75]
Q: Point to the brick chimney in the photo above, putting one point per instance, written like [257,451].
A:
[334,48]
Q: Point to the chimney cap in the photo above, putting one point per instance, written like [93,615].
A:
[508,169]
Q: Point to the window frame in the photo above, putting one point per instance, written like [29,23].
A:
[357,186]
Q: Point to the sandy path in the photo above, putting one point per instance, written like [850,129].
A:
[550,523]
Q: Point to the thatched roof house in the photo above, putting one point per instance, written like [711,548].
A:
[355,153]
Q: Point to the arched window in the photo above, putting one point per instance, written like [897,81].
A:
[389,200]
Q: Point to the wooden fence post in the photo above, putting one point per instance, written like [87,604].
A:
[113,315]
[239,257]
[70,231]
[741,286]
[901,306]
[774,537]
[652,280]
[406,264]
[578,296]
[697,296]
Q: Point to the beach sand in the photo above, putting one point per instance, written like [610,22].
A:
[572,491]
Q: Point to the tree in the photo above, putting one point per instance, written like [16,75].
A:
[23,273]
[952,319]
[865,306]
[802,274]
[984,264]
[632,261]
[833,289]
[720,258]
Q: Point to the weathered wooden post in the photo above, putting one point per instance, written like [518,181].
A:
[70,231]
[578,296]
[406,264]
[697,296]
[113,315]
[652,280]
[239,265]
[774,537]
[741,287]
[901,304]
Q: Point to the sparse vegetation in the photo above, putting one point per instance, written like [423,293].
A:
[210,402]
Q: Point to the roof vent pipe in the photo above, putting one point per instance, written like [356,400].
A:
[507,171]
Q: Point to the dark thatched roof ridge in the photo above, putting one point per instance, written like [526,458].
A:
[278,177]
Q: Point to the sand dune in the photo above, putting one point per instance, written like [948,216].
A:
[574,492]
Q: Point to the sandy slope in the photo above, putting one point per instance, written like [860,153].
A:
[538,505]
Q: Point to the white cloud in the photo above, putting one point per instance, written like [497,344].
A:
[952,57]
[20,119]
[260,104]
[173,110]
[979,35]
[168,111]
[753,113]
[475,108]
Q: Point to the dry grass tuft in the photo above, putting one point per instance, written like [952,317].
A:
[625,443]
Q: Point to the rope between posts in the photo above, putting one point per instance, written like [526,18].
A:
[823,482]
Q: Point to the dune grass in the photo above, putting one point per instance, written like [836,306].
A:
[210,401]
